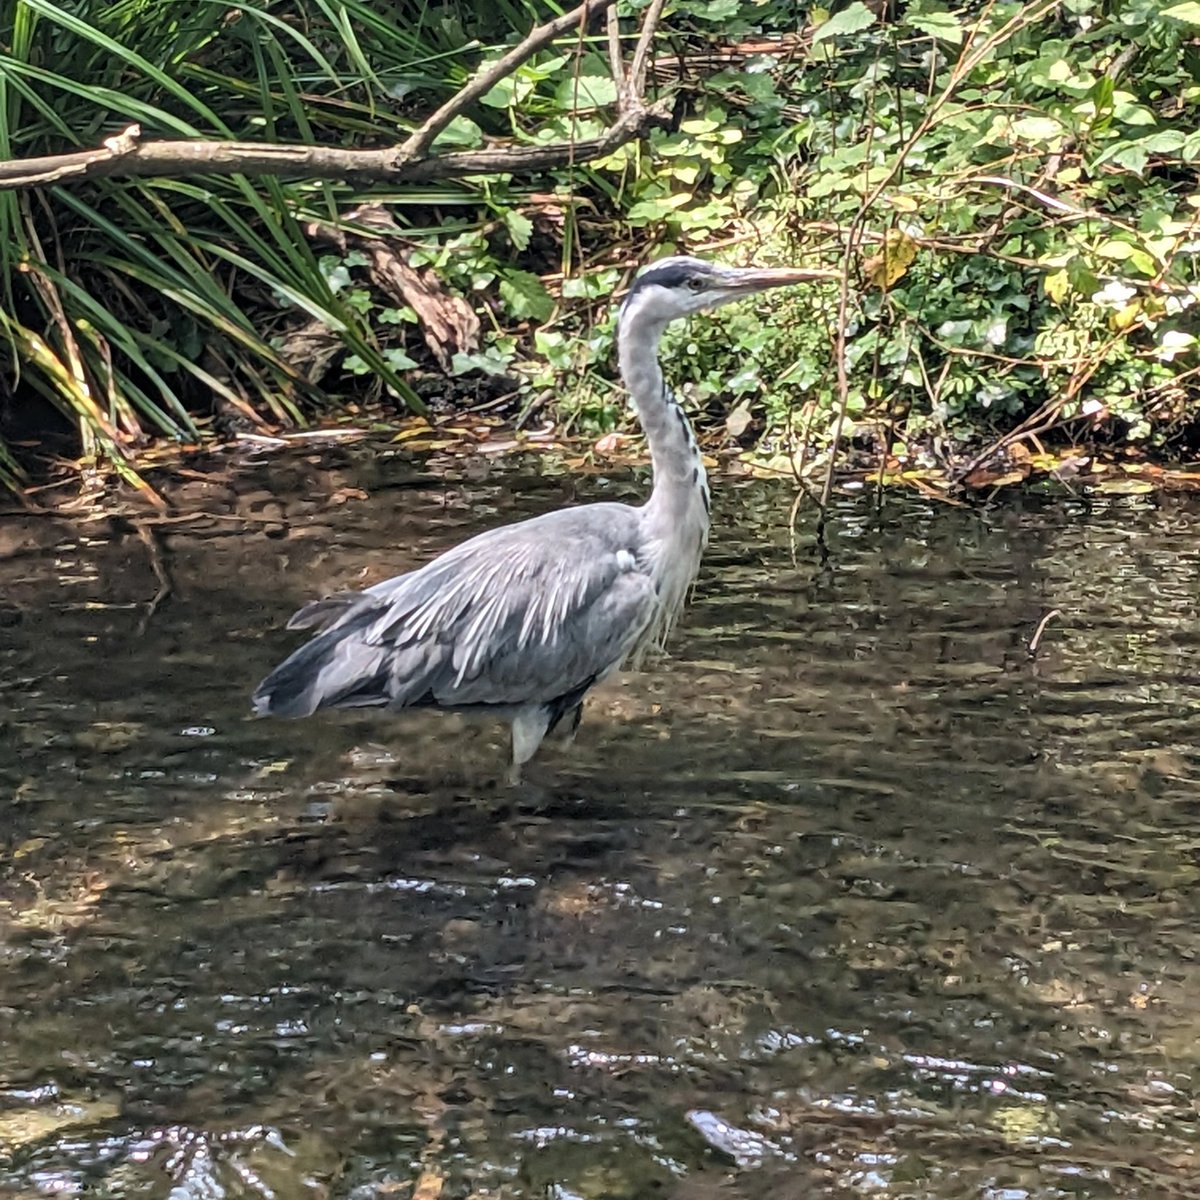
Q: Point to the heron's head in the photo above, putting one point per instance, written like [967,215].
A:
[677,287]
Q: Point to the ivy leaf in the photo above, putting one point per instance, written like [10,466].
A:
[1188,12]
[520,229]
[852,19]
[1126,154]
[508,91]
[588,91]
[491,361]
[657,209]
[945,26]
[461,133]
[398,360]
[525,296]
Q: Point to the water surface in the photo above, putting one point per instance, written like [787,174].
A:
[850,897]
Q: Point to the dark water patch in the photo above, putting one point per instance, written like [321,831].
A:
[850,896]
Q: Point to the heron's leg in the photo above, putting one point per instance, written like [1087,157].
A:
[528,728]
[570,723]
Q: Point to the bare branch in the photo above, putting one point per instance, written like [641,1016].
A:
[616,60]
[641,53]
[391,165]
[423,136]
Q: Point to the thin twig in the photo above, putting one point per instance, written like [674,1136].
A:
[150,540]
[1035,641]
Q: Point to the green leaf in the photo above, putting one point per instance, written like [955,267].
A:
[1188,12]
[1057,285]
[715,10]
[490,360]
[945,26]
[1143,263]
[1037,129]
[462,133]
[507,92]
[399,361]
[657,209]
[852,19]
[525,296]
[1133,114]
[520,229]
[1163,142]
[588,91]
[1126,154]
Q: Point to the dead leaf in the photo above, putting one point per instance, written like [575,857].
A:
[429,1185]
[738,421]
[424,429]
[985,478]
[1124,487]
[347,493]
[895,257]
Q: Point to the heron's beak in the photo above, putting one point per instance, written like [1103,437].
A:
[758,279]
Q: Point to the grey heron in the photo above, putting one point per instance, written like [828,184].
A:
[522,621]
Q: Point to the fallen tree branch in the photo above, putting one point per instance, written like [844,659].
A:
[183,158]
[127,155]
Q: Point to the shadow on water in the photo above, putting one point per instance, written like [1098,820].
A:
[850,897]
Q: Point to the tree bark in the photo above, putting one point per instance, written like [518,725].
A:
[126,155]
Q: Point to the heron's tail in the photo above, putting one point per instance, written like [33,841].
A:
[337,669]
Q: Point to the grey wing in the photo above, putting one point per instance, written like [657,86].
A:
[525,614]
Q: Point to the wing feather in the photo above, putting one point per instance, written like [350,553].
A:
[525,613]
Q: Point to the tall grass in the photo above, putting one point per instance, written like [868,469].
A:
[122,301]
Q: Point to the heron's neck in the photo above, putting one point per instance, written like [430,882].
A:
[680,496]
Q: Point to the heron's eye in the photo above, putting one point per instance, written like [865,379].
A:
[695,284]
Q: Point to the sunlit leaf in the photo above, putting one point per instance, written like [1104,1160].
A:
[1038,129]
[1124,487]
[1057,285]
[1188,12]
[588,91]
[941,25]
[520,228]
[1116,249]
[895,256]
[854,18]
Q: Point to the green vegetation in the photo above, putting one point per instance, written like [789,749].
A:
[1012,188]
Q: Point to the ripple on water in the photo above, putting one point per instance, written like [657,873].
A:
[850,896]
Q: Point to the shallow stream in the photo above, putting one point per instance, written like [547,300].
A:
[850,897]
